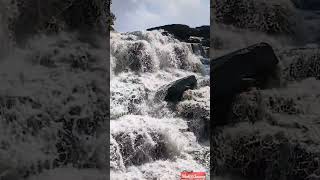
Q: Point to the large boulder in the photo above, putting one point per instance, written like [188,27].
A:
[254,66]
[173,92]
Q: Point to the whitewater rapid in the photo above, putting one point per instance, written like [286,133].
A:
[148,139]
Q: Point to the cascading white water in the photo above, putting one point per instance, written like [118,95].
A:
[149,52]
[263,119]
[148,139]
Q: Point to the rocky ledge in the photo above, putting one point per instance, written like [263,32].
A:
[198,37]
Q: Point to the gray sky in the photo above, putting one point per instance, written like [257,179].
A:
[142,14]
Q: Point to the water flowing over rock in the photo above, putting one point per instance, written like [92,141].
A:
[173,92]
[199,50]
[195,107]
[53,95]
[187,34]
[149,52]
[255,66]
[197,38]
[272,132]
[275,128]
[150,138]
[54,103]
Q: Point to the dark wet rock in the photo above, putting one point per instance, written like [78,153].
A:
[307,4]
[254,66]
[200,50]
[173,92]
[182,32]
[205,61]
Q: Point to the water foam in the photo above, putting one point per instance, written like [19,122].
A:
[150,139]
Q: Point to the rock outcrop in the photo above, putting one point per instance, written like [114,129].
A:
[254,66]
[173,92]
[187,34]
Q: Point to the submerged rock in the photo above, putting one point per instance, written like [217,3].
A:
[173,92]
[254,66]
